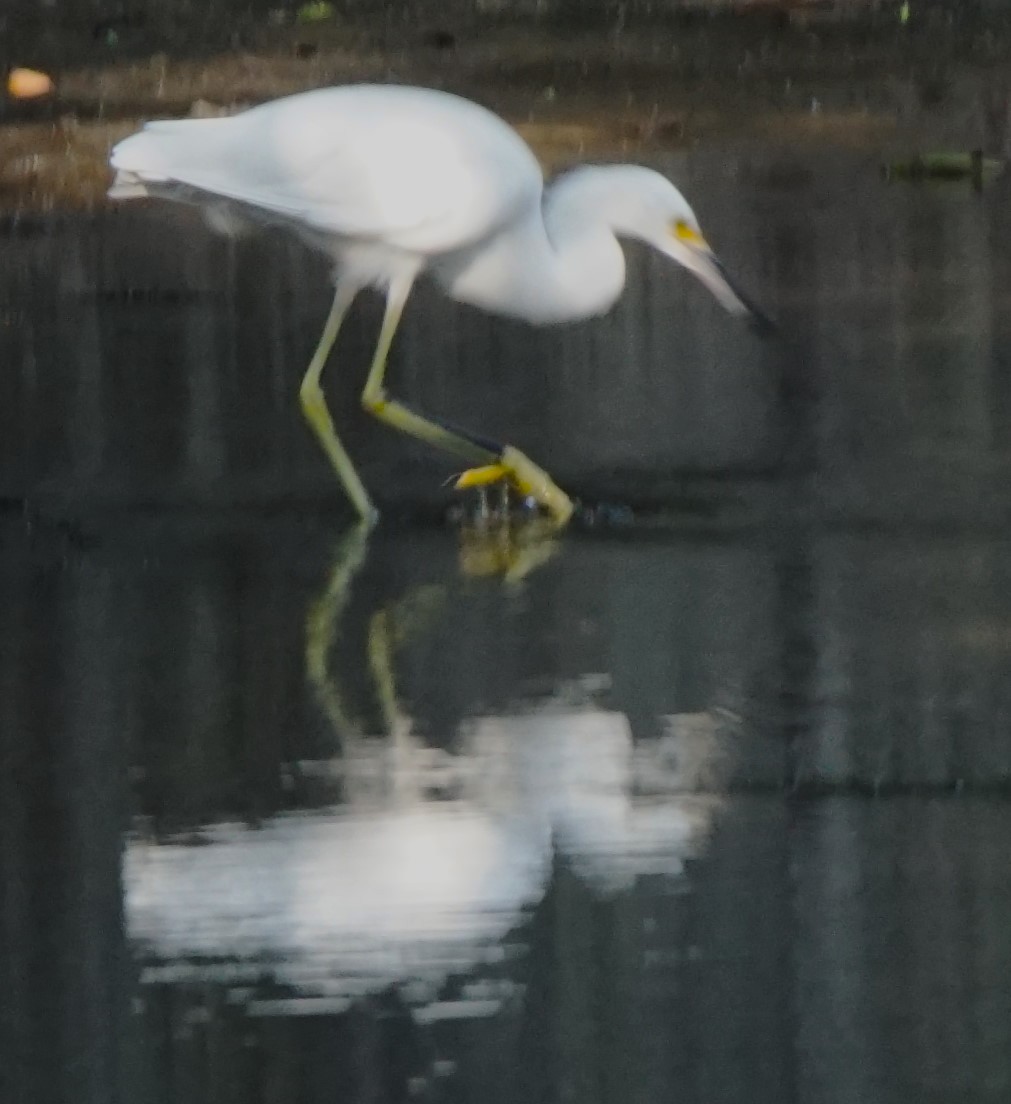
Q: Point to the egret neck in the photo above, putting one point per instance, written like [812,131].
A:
[561,261]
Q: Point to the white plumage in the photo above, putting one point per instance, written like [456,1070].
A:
[392,181]
[413,169]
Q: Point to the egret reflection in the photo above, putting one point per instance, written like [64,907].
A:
[433,859]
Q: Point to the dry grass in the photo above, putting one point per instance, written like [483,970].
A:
[56,165]
[598,95]
[61,161]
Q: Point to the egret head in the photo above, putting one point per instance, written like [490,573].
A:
[652,210]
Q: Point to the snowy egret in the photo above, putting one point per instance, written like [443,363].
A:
[391,182]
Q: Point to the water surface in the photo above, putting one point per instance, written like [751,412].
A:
[710,808]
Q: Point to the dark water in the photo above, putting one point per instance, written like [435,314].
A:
[709,809]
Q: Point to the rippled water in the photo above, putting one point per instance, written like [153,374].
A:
[712,808]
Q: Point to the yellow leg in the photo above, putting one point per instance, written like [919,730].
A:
[509,462]
[315,409]
[396,414]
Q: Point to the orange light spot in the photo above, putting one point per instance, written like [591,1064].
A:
[28,84]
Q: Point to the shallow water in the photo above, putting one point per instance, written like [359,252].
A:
[709,809]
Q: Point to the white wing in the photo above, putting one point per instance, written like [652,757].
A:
[412,168]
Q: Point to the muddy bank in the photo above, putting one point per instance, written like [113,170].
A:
[619,88]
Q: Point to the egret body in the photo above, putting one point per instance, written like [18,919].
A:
[392,181]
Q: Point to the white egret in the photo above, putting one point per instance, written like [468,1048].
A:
[391,182]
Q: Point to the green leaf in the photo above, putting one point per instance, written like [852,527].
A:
[319,11]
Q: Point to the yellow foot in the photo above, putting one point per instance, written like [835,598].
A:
[530,480]
[481,477]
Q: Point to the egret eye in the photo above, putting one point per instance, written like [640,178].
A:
[687,234]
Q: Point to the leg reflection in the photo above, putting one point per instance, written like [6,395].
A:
[489,546]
